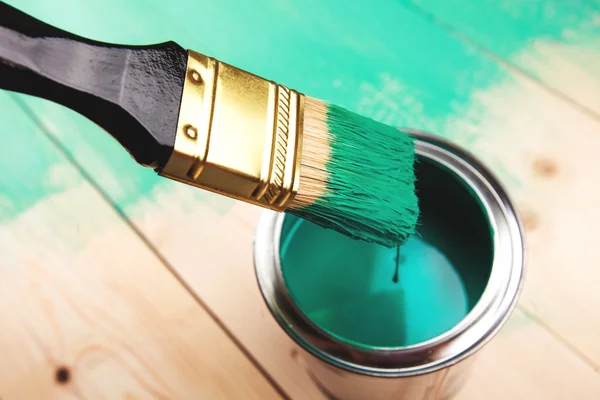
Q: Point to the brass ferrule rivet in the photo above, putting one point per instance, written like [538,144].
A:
[195,76]
[190,131]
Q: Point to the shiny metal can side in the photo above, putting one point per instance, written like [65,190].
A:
[455,185]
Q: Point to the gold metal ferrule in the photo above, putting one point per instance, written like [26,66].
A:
[238,135]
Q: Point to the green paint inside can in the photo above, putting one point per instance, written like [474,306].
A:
[372,296]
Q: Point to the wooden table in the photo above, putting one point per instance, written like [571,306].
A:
[117,284]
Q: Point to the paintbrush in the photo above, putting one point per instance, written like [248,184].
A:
[200,121]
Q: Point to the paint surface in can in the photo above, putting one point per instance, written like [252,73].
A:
[372,296]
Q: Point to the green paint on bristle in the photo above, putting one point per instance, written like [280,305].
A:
[371,181]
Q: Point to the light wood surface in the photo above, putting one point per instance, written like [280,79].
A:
[88,239]
[81,292]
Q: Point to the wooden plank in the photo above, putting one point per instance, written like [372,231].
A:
[525,362]
[388,63]
[554,41]
[507,368]
[87,310]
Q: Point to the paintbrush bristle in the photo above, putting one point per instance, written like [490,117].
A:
[356,176]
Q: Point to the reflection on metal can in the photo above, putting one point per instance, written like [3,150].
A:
[378,323]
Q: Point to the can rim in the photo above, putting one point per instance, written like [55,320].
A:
[479,326]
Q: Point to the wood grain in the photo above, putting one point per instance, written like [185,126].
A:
[526,362]
[87,310]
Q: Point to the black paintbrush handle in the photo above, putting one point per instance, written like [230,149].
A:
[133,92]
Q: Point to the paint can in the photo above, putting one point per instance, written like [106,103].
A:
[377,323]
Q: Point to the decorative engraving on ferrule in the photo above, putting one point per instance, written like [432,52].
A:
[282,127]
[238,135]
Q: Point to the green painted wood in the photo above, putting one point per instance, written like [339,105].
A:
[32,168]
[555,41]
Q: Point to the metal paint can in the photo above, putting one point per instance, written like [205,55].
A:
[454,186]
